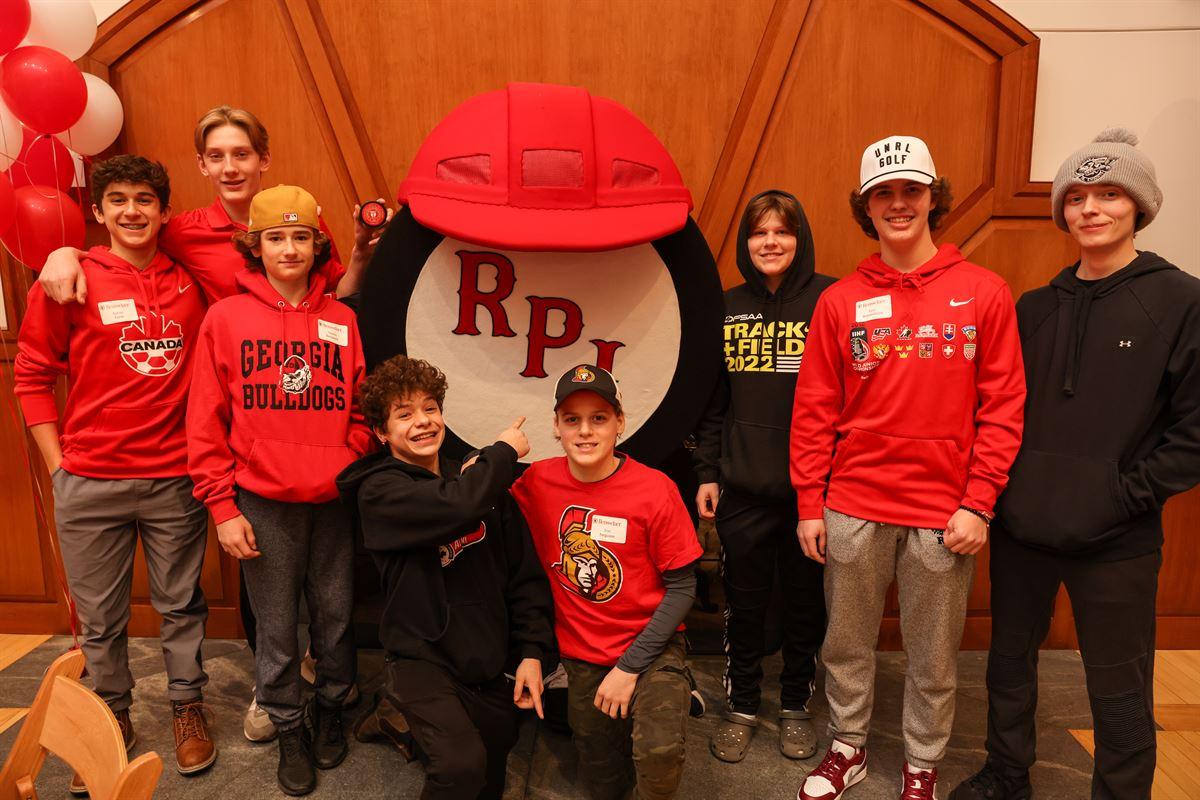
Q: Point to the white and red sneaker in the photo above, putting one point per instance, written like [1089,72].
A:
[919,784]
[842,767]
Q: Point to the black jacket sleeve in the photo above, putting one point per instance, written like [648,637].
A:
[399,513]
[706,458]
[530,605]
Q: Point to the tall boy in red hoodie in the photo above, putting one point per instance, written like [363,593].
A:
[909,418]
[118,458]
[272,419]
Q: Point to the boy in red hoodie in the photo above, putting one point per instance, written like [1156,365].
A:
[909,418]
[272,419]
[119,457]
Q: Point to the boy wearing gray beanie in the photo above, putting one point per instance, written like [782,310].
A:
[1112,430]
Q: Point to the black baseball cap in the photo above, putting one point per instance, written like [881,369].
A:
[587,378]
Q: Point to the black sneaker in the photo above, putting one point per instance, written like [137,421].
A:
[329,746]
[296,774]
[991,784]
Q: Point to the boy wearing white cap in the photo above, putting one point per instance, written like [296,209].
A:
[1112,354]
[901,440]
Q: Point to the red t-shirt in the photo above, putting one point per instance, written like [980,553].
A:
[604,546]
[202,241]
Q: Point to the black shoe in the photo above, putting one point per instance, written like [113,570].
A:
[991,784]
[296,774]
[329,746]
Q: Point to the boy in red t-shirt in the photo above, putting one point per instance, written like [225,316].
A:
[619,547]
[118,459]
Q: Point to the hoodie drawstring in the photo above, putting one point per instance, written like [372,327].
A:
[1080,311]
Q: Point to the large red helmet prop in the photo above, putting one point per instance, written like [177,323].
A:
[545,167]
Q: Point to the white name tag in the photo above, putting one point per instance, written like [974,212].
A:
[332,332]
[875,308]
[609,529]
[114,311]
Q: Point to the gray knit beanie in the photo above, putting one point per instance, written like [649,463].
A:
[1112,157]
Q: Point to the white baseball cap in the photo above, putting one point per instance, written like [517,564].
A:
[896,157]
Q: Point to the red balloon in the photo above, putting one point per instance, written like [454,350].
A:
[14,23]
[44,161]
[42,88]
[8,203]
[46,220]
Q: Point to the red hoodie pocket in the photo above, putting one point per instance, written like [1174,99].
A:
[295,472]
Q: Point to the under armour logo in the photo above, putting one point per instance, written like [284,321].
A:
[1125,343]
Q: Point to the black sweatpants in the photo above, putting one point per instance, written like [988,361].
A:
[1113,603]
[464,732]
[758,542]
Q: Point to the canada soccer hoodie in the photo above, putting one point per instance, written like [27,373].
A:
[909,403]
[1113,430]
[742,442]
[273,407]
[463,586]
[127,355]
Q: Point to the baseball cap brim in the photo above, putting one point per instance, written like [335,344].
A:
[562,230]
[900,174]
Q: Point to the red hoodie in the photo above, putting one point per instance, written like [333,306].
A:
[273,407]
[917,380]
[127,355]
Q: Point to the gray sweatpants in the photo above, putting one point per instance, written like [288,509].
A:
[309,548]
[861,560]
[99,522]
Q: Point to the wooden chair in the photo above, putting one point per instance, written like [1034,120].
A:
[77,726]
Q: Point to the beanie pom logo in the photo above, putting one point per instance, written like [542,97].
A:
[1095,168]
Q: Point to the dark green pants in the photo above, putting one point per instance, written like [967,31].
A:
[653,734]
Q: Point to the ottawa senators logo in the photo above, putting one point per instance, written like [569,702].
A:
[152,346]
[449,552]
[584,566]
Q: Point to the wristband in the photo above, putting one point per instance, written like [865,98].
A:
[983,515]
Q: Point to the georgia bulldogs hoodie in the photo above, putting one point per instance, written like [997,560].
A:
[1113,414]
[463,584]
[742,442]
[127,355]
[910,399]
[273,406]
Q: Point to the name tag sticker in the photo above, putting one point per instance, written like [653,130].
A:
[114,311]
[609,529]
[875,308]
[332,332]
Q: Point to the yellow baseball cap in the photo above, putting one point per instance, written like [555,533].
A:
[282,205]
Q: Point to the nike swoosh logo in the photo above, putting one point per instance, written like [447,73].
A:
[957,303]
[183,289]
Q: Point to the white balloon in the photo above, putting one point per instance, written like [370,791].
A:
[10,137]
[68,26]
[101,121]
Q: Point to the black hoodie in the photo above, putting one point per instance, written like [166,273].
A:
[742,442]
[463,586]
[1112,415]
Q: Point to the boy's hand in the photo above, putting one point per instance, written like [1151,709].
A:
[811,533]
[966,534]
[62,278]
[237,538]
[513,437]
[706,500]
[527,691]
[616,692]
[365,238]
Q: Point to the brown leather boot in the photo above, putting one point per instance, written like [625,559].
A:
[194,749]
[77,786]
[383,721]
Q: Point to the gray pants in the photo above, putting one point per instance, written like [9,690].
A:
[99,522]
[861,560]
[309,548]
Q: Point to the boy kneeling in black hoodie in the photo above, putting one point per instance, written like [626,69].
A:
[466,598]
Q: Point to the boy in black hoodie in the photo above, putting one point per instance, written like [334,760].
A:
[741,457]
[466,598]
[1112,362]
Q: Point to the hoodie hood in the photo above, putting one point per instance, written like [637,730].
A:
[1081,294]
[382,460]
[160,275]
[803,262]
[254,282]
[877,273]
